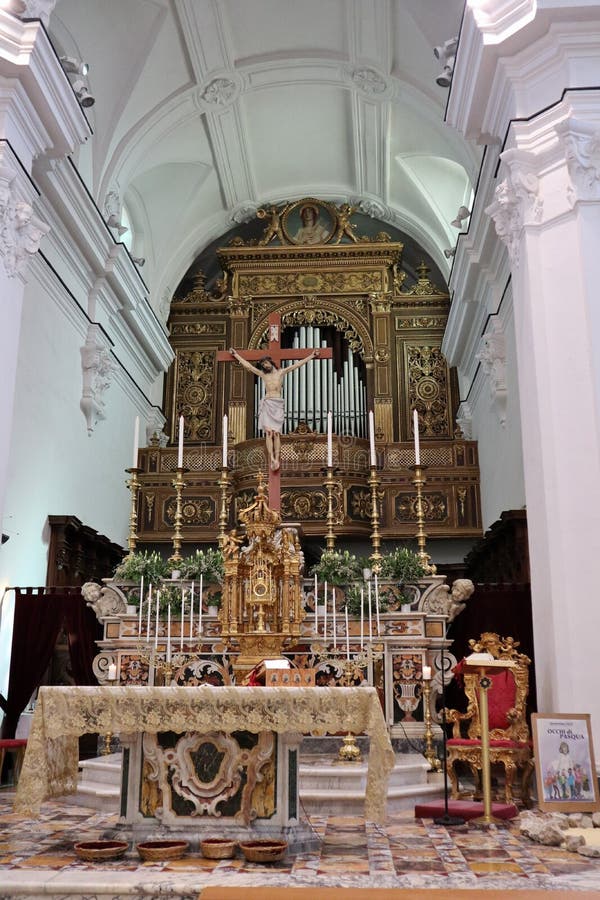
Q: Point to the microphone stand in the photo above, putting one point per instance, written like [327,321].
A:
[446,819]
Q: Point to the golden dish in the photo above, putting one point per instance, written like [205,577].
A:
[218,848]
[92,851]
[157,851]
[264,850]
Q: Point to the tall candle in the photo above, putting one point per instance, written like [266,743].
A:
[325,615]
[141,604]
[136,442]
[426,673]
[224,442]
[156,623]
[370,614]
[182,617]
[372,438]
[200,607]
[169,633]
[333,621]
[149,608]
[180,451]
[362,616]
[417,442]
[347,634]
[112,672]
[329,439]
[316,595]
[377,603]
[192,612]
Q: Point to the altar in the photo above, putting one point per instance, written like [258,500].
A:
[277,715]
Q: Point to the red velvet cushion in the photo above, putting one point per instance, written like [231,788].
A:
[12,744]
[501,698]
[468,742]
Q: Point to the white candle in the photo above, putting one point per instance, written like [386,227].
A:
[182,617]
[316,596]
[325,615]
[192,612]
[141,604]
[180,451]
[169,633]
[426,673]
[156,623]
[370,614]
[329,439]
[112,672]
[347,635]
[377,604]
[149,608]
[200,608]
[362,616]
[224,442]
[372,438]
[417,443]
[333,622]
[136,442]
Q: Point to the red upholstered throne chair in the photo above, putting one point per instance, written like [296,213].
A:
[510,739]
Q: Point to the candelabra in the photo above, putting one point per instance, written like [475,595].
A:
[430,754]
[110,681]
[134,486]
[179,484]
[330,535]
[223,485]
[421,535]
[375,499]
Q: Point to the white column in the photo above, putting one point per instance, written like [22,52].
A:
[547,212]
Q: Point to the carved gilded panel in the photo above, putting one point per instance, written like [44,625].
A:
[310,282]
[435,507]
[194,392]
[194,510]
[428,390]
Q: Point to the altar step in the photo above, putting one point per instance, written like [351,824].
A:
[326,788]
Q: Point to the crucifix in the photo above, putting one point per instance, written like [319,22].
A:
[271,413]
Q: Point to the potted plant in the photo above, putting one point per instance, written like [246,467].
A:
[213,602]
[402,565]
[353,602]
[337,568]
[208,563]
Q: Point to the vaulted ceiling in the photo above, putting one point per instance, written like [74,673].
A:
[206,109]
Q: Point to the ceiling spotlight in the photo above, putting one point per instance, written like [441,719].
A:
[82,93]
[76,66]
[139,260]
[446,53]
[113,222]
[449,252]
[463,213]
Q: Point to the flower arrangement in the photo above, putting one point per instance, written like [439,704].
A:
[352,601]
[208,563]
[402,565]
[151,566]
[337,568]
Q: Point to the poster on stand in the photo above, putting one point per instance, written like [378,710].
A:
[565,770]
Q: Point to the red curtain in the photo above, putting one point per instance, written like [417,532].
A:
[39,616]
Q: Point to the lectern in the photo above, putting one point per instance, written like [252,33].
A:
[483,665]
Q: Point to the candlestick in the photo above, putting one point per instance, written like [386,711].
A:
[329,439]
[134,486]
[141,604]
[376,498]
[223,483]
[169,633]
[330,533]
[347,635]
[419,483]
[225,442]
[377,604]
[333,618]
[372,438]
[192,612]
[429,754]
[136,442]
[416,434]
[149,608]
[156,623]
[182,618]
[179,485]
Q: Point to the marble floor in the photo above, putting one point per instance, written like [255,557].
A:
[37,859]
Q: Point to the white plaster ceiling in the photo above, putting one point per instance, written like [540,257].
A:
[205,109]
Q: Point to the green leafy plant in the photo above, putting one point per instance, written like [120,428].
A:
[352,601]
[402,565]
[213,598]
[337,567]
[208,563]
[149,565]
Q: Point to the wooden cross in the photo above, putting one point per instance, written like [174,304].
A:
[277,354]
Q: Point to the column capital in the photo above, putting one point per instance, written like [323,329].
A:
[581,144]
[20,230]
[516,200]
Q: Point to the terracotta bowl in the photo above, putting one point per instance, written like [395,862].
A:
[92,851]
[218,848]
[264,850]
[156,851]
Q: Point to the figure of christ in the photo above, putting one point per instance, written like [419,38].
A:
[271,412]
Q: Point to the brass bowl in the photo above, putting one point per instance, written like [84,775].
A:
[264,850]
[157,851]
[218,848]
[92,851]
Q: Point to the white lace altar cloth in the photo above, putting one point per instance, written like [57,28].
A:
[62,714]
